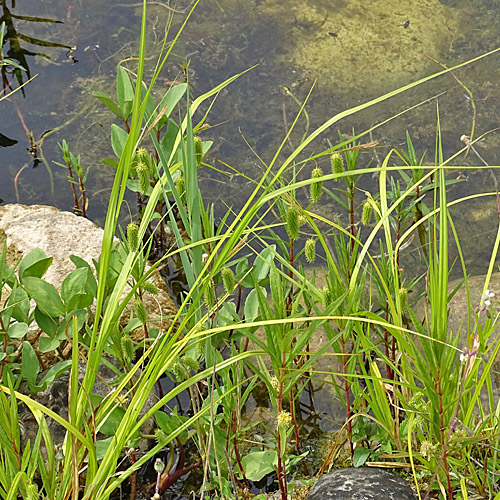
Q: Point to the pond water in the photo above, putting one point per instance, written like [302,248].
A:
[352,52]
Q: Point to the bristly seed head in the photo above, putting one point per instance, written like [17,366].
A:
[367,213]
[337,163]
[316,187]
[310,250]
[292,223]
[283,419]
[133,236]
[144,178]
[228,280]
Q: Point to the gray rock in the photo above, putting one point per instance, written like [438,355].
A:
[363,483]
[60,235]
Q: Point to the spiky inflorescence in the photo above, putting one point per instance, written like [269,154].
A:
[228,279]
[179,372]
[198,150]
[326,296]
[144,177]
[209,297]
[190,363]
[180,187]
[316,187]
[133,236]
[275,383]
[127,348]
[310,250]
[403,296]
[149,287]
[292,223]
[283,419]
[337,163]
[140,310]
[366,216]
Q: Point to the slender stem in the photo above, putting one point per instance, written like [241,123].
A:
[296,432]
[75,196]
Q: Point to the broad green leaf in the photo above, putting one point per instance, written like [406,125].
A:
[124,92]
[45,295]
[53,372]
[108,102]
[169,139]
[360,456]
[34,264]
[30,365]
[19,306]
[17,330]
[65,329]
[47,344]
[110,162]
[118,139]
[251,309]
[48,324]
[263,262]
[75,283]
[259,464]
[168,103]
[77,290]
[112,422]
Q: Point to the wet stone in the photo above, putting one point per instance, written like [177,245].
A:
[361,484]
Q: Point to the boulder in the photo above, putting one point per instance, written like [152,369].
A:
[364,483]
[60,235]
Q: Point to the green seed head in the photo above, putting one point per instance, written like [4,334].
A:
[127,348]
[403,296]
[209,297]
[292,223]
[144,178]
[179,372]
[198,150]
[180,186]
[141,154]
[367,213]
[337,163]
[228,279]
[149,287]
[316,188]
[159,466]
[133,236]
[310,250]
[140,310]
[326,296]
[190,363]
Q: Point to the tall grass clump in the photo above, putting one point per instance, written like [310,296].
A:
[252,318]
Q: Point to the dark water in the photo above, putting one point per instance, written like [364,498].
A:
[349,51]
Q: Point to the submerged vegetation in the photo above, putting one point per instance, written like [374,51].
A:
[253,320]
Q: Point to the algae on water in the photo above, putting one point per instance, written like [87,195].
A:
[359,45]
